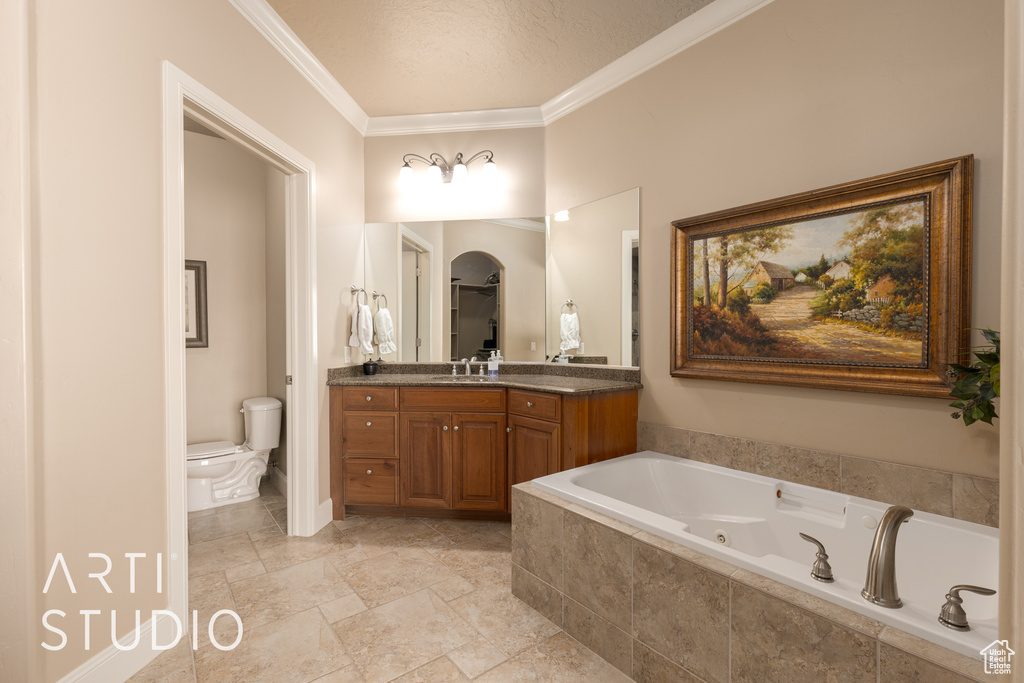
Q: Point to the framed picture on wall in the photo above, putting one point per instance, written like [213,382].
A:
[863,286]
[196,330]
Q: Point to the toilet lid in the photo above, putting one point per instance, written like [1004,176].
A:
[209,449]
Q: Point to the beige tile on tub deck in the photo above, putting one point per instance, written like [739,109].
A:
[920,649]
[915,487]
[652,436]
[776,642]
[301,647]
[724,451]
[651,667]
[559,659]
[537,594]
[612,644]
[276,595]
[598,569]
[682,611]
[537,537]
[898,666]
[399,636]
[391,575]
[976,499]
[220,554]
[503,619]
[798,465]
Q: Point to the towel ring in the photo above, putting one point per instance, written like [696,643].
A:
[357,290]
[378,296]
[571,304]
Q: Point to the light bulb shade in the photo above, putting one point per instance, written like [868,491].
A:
[405,175]
[434,173]
[459,172]
[490,168]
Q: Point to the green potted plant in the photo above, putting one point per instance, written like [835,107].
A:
[976,386]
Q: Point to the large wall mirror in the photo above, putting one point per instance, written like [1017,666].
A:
[458,289]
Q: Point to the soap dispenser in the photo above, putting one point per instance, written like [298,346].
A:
[492,365]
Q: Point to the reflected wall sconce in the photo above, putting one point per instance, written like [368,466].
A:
[440,171]
[562,215]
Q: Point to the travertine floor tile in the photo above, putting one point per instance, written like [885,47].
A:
[441,670]
[482,562]
[279,594]
[452,588]
[462,530]
[220,554]
[342,608]
[350,674]
[476,657]
[228,521]
[301,647]
[559,659]
[172,666]
[281,551]
[245,571]
[376,535]
[401,635]
[391,575]
[503,619]
[207,595]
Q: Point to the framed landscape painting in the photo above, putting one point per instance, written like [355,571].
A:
[863,286]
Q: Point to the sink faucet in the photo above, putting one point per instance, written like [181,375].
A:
[880,584]
[469,369]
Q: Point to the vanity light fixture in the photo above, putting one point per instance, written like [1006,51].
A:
[440,171]
[562,215]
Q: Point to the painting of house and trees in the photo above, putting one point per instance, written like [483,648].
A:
[839,287]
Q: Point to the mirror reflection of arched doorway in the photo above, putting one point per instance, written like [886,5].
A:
[476,328]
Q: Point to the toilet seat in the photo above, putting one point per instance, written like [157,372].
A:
[211,449]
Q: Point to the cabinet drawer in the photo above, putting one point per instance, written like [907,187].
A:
[456,398]
[369,433]
[535,404]
[370,398]
[370,481]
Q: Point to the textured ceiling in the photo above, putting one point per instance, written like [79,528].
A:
[428,56]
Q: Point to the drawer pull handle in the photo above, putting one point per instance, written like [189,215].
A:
[529,404]
[368,423]
[456,427]
[368,398]
[445,428]
[369,471]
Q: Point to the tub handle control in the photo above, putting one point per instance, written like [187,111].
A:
[822,570]
[952,614]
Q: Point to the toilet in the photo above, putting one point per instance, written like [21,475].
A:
[221,473]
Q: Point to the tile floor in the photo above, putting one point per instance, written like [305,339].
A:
[367,600]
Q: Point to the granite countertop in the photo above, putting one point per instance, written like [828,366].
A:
[530,376]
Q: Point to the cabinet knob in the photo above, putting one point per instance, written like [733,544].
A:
[368,423]
[529,404]
[445,428]
[369,471]
[368,398]
[456,427]
[508,429]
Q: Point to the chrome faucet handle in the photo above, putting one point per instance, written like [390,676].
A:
[952,615]
[454,369]
[822,570]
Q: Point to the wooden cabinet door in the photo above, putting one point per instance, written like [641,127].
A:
[533,448]
[479,470]
[425,459]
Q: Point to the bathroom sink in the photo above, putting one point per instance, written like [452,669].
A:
[462,379]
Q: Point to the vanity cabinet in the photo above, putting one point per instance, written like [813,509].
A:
[456,451]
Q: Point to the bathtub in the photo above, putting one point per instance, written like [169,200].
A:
[753,522]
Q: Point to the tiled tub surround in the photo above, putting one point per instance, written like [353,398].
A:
[659,611]
[972,499]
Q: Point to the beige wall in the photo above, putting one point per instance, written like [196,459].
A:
[521,254]
[584,264]
[97,263]
[225,225]
[800,95]
[381,240]
[277,367]
[518,190]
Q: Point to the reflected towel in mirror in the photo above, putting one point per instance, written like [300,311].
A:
[384,332]
[570,326]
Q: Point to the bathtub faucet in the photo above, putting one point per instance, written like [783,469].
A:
[880,585]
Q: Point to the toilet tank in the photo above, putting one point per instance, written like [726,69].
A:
[262,423]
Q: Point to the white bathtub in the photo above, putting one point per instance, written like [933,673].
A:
[690,503]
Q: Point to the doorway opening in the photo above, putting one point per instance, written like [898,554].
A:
[415,301]
[476,327]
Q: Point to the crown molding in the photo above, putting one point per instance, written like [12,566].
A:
[520,223]
[455,121]
[270,25]
[702,24]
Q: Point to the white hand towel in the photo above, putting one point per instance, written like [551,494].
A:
[570,325]
[384,332]
[362,329]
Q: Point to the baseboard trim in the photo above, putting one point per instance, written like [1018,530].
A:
[113,664]
[324,514]
[279,480]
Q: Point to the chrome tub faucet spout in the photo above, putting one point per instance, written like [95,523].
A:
[880,584]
